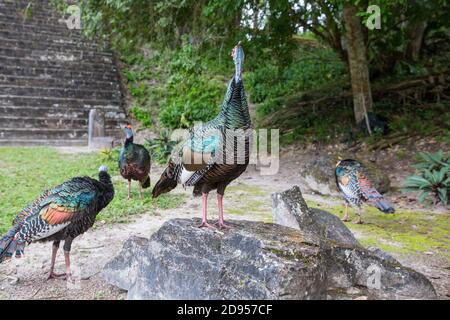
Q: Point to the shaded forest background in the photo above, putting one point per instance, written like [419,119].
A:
[298,68]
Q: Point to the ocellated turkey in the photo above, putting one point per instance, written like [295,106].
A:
[216,152]
[134,162]
[352,179]
[62,213]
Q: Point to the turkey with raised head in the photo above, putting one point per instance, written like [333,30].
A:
[352,179]
[61,213]
[216,152]
[134,162]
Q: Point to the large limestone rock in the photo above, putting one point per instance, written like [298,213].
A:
[318,176]
[257,261]
[290,210]
[252,261]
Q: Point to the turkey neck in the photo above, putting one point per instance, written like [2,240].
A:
[128,141]
[107,189]
[234,113]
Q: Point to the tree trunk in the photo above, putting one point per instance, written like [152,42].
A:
[357,60]
[416,32]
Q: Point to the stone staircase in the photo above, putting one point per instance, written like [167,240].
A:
[50,77]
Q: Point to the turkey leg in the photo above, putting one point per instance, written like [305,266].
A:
[204,220]
[221,222]
[345,218]
[129,189]
[52,274]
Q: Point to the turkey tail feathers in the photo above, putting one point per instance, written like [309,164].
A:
[383,206]
[9,245]
[146,183]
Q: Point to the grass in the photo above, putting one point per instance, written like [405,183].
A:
[26,172]
[404,232]
[257,208]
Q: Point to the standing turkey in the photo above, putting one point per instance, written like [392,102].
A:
[134,162]
[215,153]
[61,213]
[353,182]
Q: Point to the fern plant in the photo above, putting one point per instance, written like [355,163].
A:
[432,178]
[110,155]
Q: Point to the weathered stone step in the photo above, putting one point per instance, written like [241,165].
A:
[52,123]
[62,45]
[63,61]
[58,92]
[42,133]
[59,30]
[46,37]
[36,16]
[51,20]
[82,84]
[7,100]
[22,4]
[57,73]
[43,142]
[105,56]
[60,112]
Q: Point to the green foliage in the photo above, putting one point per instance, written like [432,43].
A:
[315,67]
[161,148]
[28,11]
[143,116]
[177,59]
[432,178]
[192,94]
[110,156]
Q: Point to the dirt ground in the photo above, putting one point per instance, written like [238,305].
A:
[247,198]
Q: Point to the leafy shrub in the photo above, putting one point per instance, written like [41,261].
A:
[269,84]
[143,116]
[110,155]
[192,94]
[161,148]
[432,178]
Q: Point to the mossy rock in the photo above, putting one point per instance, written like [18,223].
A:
[318,175]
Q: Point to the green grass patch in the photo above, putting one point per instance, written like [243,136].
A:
[403,232]
[252,201]
[26,172]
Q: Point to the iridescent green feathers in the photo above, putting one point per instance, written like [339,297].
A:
[72,202]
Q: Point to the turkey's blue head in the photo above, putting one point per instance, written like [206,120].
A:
[238,57]
[129,133]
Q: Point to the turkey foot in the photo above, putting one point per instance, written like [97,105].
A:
[53,275]
[221,225]
[206,225]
